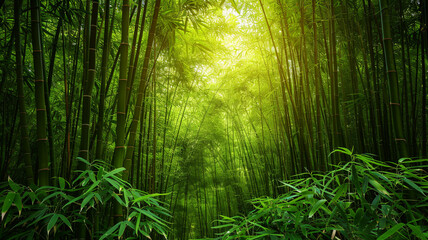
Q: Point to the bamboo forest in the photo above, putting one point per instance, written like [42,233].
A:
[214,119]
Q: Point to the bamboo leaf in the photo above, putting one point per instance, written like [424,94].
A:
[259,236]
[114,172]
[126,197]
[119,199]
[110,231]
[92,176]
[53,195]
[340,191]
[66,221]
[416,230]
[414,186]
[93,186]
[73,200]
[122,228]
[316,206]
[355,178]
[137,224]
[98,196]
[32,196]
[7,203]
[18,203]
[365,184]
[52,222]
[114,183]
[378,186]
[61,183]
[391,231]
[380,176]
[84,161]
[86,200]
[233,3]
[342,150]
[145,197]
[15,187]
[150,215]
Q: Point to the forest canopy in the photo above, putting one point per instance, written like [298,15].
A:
[304,119]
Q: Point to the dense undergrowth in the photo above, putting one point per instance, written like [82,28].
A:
[359,199]
[362,198]
[54,212]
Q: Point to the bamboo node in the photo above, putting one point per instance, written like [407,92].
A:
[387,39]
[120,147]
[123,79]
[88,96]
[397,104]
[37,50]
[121,113]
[39,80]
[392,71]
[43,169]
[400,139]
[85,124]
[91,70]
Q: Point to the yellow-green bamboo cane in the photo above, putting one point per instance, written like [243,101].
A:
[140,94]
[119,150]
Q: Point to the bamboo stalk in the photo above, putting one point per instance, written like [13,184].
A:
[42,141]
[25,143]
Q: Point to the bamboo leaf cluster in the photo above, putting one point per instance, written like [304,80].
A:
[31,212]
[361,199]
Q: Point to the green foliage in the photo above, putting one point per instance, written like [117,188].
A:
[361,199]
[52,211]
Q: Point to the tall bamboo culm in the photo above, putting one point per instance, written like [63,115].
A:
[25,142]
[104,62]
[42,140]
[119,150]
[392,80]
[141,92]
[87,91]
